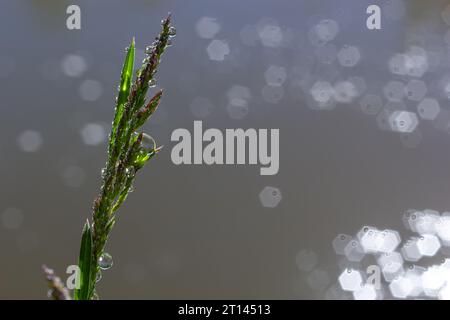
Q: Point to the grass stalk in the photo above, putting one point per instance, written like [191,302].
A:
[128,152]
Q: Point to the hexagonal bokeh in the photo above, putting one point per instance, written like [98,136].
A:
[270,197]
[322,91]
[410,250]
[239,92]
[428,109]
[428,245]
[275,75]
[382,120]
[359,84]
[390,240]
[423,222]
[340,242]
[411,139]
[366,292]
[327,29]
[318,279]
[217,50]
[335,292]
[442,121]
[443,230]
[444,293]
[395,105]
[207,27]
[394,90]
[401,287]
[237,109]
[354,251]
[349,56]
[370,239]
[306,260]
[271,35]
[397,64]
[318,105]
[371,104]
[345,91]
[433,279]
[409,218]
[414,275]
[416,61]
[403,121]
[391,265]
[350,280]
[272,94]
[416,90]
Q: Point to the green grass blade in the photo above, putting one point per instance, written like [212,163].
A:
[84,263]
[124,90]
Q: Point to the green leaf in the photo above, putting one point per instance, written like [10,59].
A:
[124,91]
[85,264]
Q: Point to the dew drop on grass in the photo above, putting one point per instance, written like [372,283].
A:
[105,261]
[149,49]
[148,142]
[172,31]
[152,83]
[104,171]
[98,277]
[130,172]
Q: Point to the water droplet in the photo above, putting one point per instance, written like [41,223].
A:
[149,49]
[104,171]
[130,172]
[131,189]
[98,277]
[105,261]
[152,83]
[148,142]
[126,49]
[172,31]
[169,43]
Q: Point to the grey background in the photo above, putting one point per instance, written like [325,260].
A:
[198,231]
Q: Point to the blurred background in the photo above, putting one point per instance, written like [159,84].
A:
[364,123]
